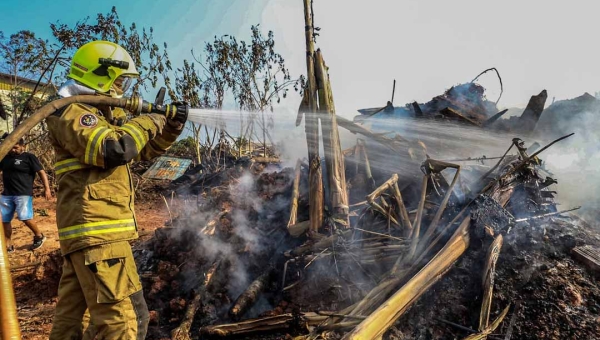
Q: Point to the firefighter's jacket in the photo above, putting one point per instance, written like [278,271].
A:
[95,190]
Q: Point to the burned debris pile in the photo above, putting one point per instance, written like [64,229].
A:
[484,258]
[465,103]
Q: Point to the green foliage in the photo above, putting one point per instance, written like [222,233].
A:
[185,147]
[22,54]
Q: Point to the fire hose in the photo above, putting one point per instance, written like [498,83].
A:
[9,323]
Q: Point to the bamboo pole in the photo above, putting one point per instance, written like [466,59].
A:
[309,106]
[376,324]
[488,282]
[368,174]
[418,218]
[377,193]
[295,193]
[334,159]
[402,212]
[438,215]
[356,158]
[386,185]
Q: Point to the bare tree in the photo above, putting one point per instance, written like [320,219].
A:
[255,74]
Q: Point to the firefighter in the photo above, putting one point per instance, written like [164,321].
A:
[95,208]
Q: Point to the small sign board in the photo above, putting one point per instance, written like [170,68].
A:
[166,167]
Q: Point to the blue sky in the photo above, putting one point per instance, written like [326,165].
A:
[427,46]
[189,21]
[184,24]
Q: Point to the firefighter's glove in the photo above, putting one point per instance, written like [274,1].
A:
[178,112]
[158,120]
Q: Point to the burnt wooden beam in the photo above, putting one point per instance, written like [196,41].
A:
[183,331]
[249,297]
[417,108]
[533,112]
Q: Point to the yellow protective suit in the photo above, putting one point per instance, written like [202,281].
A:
[95,217]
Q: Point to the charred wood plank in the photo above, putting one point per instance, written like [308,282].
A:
[298,229]
[453,113]
[318,245]
[183,331]
[417,108]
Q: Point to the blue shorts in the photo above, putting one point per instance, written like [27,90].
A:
[23,205]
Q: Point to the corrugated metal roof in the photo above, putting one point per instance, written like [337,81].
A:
[167,168]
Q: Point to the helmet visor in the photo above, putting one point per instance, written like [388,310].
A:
[123,84]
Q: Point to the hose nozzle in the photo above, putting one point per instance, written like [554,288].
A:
[176,111]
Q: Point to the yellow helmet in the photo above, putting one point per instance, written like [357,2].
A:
[98,64]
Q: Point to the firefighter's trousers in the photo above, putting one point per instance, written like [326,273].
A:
[104,280]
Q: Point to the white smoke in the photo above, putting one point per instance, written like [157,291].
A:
[576,163]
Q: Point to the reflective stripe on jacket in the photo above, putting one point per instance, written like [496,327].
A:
[95,204]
